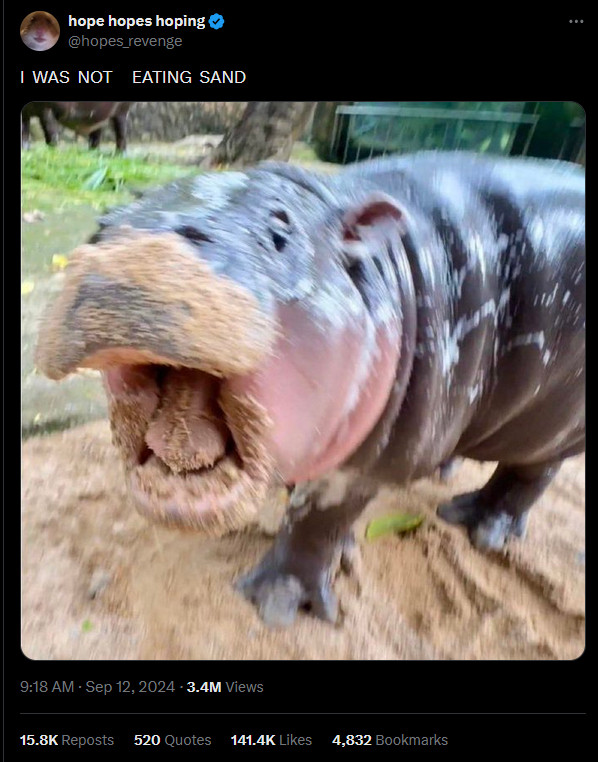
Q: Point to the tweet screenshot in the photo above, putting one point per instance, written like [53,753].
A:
[299,461]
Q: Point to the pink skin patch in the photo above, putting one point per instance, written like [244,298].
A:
[306,385]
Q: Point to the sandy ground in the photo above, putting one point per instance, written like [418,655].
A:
[100,583]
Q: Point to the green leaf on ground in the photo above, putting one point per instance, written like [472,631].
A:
[395,522]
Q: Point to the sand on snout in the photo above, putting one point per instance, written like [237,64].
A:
[100,582]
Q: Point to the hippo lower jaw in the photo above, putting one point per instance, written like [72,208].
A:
[195,453]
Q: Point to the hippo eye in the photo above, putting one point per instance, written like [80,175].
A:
[278,241]
[280,227]
[193,234]
[282,216]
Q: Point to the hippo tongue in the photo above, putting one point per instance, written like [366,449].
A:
[187,431]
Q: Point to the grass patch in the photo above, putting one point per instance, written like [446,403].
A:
[56,178]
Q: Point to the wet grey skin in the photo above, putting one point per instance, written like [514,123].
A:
[479,261]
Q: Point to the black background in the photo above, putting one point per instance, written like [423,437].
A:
[294,52]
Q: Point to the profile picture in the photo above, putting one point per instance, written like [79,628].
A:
[40,30]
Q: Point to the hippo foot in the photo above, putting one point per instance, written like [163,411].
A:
[279,596]
[499,510]
[284,583]
[487,529]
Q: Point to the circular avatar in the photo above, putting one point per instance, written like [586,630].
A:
[40,30]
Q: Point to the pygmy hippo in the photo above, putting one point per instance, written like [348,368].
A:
[84,118]
[332,334]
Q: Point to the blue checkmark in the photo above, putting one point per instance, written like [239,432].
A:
[215,21]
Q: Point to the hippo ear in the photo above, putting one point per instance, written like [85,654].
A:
[369,220]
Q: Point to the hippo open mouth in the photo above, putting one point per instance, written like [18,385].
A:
[173,342]
[194,452]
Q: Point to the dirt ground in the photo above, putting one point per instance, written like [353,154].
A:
[101,583]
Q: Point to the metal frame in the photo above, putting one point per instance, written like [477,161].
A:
[458,116]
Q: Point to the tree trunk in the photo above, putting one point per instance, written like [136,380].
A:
[266,130]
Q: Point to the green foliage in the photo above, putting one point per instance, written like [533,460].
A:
[55,178]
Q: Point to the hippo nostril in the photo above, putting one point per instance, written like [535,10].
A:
[279,228]
[192,234]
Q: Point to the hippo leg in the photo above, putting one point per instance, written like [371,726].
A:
[94,138]
[500,508]
[25,132]
[119,123]
[299,570]
[49,127]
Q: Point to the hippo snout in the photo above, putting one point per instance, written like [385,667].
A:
[167,333]
[147,298]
